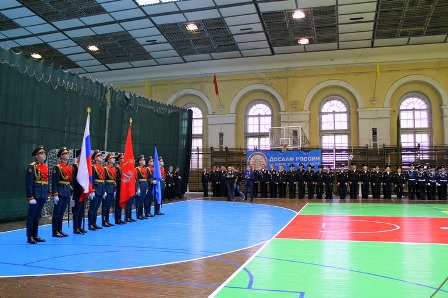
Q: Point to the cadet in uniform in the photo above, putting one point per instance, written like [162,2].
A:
[118,209]
[78,203]
[100,191]
[364,178]
[111,190]
[282,182]
[431,181]
[301,181]
[62,191]
[214,179]
[222,182]
[309,179]
[411,178]
[376,177]
[353,180]
[319,182]
[291,181]
[421,182]
[230,183]
[342,180]
[205,179]
[399,180]
[263,178]
[249,177]
[442,181]
[150,197]
[37,192]
[388,178]
[272,181]
[142,186]
[328,181]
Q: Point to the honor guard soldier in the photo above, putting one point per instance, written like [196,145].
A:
[263,178]
[342,180]
[291,181]
[431,182]
[62,191]
[421,182]
[273,181]
[301,181]
[399,180]
[309,179]
[131,201]
[100,190]
[442,181]
[150,196]
[319,182]
[353,182]
[282,182]
[117,208]
[163,174]
[364,178]
[411,178]
[328,181]
[37,192]
[142,186]
[78,203]
[376,178]
[388,178]
[111,189]
[205,176]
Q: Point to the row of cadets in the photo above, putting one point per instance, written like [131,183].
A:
[272,181]
[431,183]
[62,180]
[37,192]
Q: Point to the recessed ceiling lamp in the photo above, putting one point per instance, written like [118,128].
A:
[191,27]
[298,14]
[304,41]
[36,55]
[93,48]
[150,2]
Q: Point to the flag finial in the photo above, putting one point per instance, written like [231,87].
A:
[130,121]
[89,110]
[155,144]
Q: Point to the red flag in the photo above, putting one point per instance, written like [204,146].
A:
[128,173]
[216,85]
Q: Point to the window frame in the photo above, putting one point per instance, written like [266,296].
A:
[262,138]
[334,132]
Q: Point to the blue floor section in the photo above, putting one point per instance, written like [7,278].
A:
[188,230]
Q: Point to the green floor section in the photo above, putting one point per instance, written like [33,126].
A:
[408,210]
[310,268]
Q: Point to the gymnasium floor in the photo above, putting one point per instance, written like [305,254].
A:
[274,248]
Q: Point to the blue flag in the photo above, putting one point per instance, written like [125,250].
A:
[158,177]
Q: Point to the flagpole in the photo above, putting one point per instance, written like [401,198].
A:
[83,194]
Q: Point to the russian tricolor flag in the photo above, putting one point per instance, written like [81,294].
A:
[158,177]
[84,176]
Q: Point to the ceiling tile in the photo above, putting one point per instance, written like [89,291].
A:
[44,28]
[160,9]
[19,12]
[158,47]
[107,29]
[169,19]
[81,57]
[357,8]
[8,44]
[427,39]
[16,32]
[202,57]
[88,62]
[321,47]
[226,55]
[355,44]
[149,40]
[240,20]
[356,36]
[278,5]
[80,32]
[143,63]
[203,14]
[314,3]
[238,10]
[97,19]
[171,60]
[246,28]
[356,27]
[125,14]
[145,32]
[250,37]
[72,50]
[119,65]
[358,18]
[291,49]
[144,23]
[52,37]
[164,54]
[8,4]
[253,45]
[195,4]
[391,42]
[95,68]
[28,41]
[62,43]
[259,52]
[68,24]
[228,2]
[29,21]
[119,5]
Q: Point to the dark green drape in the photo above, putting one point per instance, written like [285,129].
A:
[38,107]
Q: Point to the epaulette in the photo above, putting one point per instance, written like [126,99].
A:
[33,163]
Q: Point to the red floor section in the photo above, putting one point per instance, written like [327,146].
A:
[368,228]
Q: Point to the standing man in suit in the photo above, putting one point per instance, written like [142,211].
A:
[249,177]
[37,192]
[204,179]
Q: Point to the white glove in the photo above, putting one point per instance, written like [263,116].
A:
[104,195]
[146,192]
[32,202]
[72,203]
[138,192]
[115,194]
[55,200]
[154,181]
[91,195]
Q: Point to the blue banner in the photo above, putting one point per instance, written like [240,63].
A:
[277,158]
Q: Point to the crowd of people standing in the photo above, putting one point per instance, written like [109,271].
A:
[422,182]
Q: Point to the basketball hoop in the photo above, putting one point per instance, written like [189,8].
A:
[284,147]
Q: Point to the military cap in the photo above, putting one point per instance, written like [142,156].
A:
[96,153]
[309,166]
[301,165]
[291,165]
[399,167]
[376,166]
[431,167]
[412,164]
[420,167]
[442,166]
[120,156]
[141,157]
[387,166]
[353,163]
[109,156]
[364,165]
[61,151]
[320,166]
[149,159]
[39,149]
[160,157]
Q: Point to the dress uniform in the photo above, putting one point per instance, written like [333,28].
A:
[273,181]
[399,180]
[249,178]
[376,177]
[319,182]
[442,181]
[37,192]
[364,178]
[170,184]
[411,178]
[431,182]
[205,176]
[282,182]
[178,192]
[353,180]
[214,179]
[222,182]
[328,181]
[387,183]
[301,181]
[98,174]
[421,183]
[142,186]
[309,179]
[78,202]
[263,178]
[342,180]
[150,196]
[111,189]
[230,183]
[61,178]
[291,181]
[117,208]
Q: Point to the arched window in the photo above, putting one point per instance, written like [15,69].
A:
[258,123]
[197,133]
[334,124]
[415,122]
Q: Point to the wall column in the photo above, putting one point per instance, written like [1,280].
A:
[378,118]
[445,124]
[221,123]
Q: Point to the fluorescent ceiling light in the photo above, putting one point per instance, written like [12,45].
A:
[36,55]
[191,27]
[152,2]
[304,41]
[93,48]
[298,14]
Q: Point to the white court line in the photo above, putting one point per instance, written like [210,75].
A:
[444,228]
[395,227]
[323,225]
